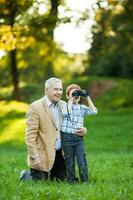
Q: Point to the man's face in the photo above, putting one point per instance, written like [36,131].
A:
[54,92]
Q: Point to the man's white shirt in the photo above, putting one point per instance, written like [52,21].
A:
[55,111]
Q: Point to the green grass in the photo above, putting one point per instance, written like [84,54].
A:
[109,150]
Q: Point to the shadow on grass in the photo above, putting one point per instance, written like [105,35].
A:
[11,146]
[8,118]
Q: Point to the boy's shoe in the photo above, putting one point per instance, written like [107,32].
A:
[73,181]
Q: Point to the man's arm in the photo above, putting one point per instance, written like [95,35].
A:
[32,127]
[81,132]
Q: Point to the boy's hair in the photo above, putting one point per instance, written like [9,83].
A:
[72,86]
[51,81]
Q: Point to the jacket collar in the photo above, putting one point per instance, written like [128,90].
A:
[47,103]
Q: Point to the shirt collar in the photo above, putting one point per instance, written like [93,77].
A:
[49,103]
[75,103]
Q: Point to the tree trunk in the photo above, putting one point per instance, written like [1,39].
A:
[53,16]
[12,55]
[14,73]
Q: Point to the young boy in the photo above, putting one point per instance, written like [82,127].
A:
[73,114]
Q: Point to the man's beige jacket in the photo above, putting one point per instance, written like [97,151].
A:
[41,134]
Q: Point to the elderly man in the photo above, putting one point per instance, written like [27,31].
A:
[43,122]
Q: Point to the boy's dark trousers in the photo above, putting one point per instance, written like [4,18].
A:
[58,171]
[73,147]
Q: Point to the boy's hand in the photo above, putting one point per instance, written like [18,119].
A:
[71,97]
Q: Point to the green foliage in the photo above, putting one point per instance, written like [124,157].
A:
[120,95]
[22,26]
[112,40]
[11,28]
[106,92]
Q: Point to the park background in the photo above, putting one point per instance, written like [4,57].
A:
[89,42]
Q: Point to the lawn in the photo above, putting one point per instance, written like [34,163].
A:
[109,150]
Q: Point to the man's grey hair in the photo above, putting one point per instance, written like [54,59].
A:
[51,81]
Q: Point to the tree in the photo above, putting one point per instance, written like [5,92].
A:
[10,10]
[53,17]
[112,45]
[21,26]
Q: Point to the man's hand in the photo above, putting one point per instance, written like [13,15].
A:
[38,164]
[81,131]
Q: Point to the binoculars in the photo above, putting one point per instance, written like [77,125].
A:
[82,93]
